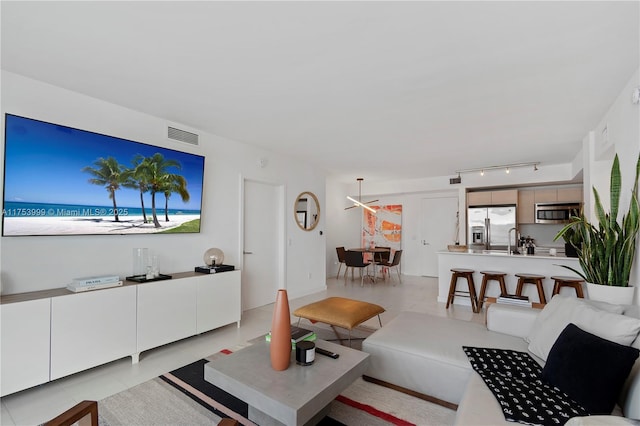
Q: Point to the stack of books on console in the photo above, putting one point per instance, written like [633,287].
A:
[214,269]
[512,299]
[94,283]
[298,334]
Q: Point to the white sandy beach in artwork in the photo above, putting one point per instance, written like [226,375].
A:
[91,225]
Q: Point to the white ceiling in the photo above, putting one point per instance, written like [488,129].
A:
[376,89]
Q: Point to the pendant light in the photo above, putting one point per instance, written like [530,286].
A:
[358,202]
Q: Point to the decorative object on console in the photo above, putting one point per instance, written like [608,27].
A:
[101,279]
[153,270]
[280,346]
[78,288]
[140,261]
[213,257]
[146,267]
[608,248]
[144,279]
[94,283]
[214,269]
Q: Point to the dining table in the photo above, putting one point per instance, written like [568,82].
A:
[373,251]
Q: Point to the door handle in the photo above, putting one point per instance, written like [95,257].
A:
[247,252]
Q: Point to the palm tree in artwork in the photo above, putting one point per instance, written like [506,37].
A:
[158,171]
[110,174]
[174,184]
[139,180]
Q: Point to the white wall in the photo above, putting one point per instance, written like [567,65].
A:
[343,227]
[37,263]
[623,125]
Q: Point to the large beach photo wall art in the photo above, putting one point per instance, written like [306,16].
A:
[59,180]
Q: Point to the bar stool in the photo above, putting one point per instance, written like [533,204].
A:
[574,282]
[463,273]
[531,279]
[491,276]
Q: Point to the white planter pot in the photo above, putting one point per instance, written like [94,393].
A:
[610,294]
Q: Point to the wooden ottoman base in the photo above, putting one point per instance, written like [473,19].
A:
[340,312]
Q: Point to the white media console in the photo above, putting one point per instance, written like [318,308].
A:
[50,334]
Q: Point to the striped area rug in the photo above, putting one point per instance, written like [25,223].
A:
[184,397]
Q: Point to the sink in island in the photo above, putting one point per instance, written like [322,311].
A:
[510,264]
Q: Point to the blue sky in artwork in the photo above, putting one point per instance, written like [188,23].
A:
[44,162]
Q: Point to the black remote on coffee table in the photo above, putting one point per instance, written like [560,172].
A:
[327,353]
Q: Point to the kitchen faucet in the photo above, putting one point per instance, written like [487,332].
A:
[509,241]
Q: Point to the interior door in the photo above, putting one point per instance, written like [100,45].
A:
[438,227]
[262,236]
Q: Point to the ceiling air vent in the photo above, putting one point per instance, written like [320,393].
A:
[182,136]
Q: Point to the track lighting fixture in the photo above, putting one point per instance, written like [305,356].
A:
[507,168]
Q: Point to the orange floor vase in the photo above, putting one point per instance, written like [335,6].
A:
[280,346]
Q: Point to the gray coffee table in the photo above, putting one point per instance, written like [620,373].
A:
[296,396]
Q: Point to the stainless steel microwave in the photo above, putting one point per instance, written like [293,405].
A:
[556,212]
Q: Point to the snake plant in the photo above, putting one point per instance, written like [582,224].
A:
[608,247]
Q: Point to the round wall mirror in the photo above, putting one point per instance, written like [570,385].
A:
[306,211]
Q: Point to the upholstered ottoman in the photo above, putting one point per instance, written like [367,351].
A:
[340,312]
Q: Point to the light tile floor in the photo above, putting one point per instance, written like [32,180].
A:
[39,404]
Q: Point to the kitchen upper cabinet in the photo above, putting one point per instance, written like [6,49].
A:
[560,195]
[482,198]
[572,195]
[509,196]
[546,195]
[492,198]
[526,206]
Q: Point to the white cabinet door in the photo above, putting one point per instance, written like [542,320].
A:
[92,328]
[25,344]
[166,312]
[218,300]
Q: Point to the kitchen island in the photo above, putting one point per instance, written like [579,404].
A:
[510,264]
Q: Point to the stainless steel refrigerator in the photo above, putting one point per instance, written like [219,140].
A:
[488,227]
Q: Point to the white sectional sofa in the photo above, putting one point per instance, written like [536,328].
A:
[423,353]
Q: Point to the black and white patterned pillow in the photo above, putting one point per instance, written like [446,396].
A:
[515,379]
